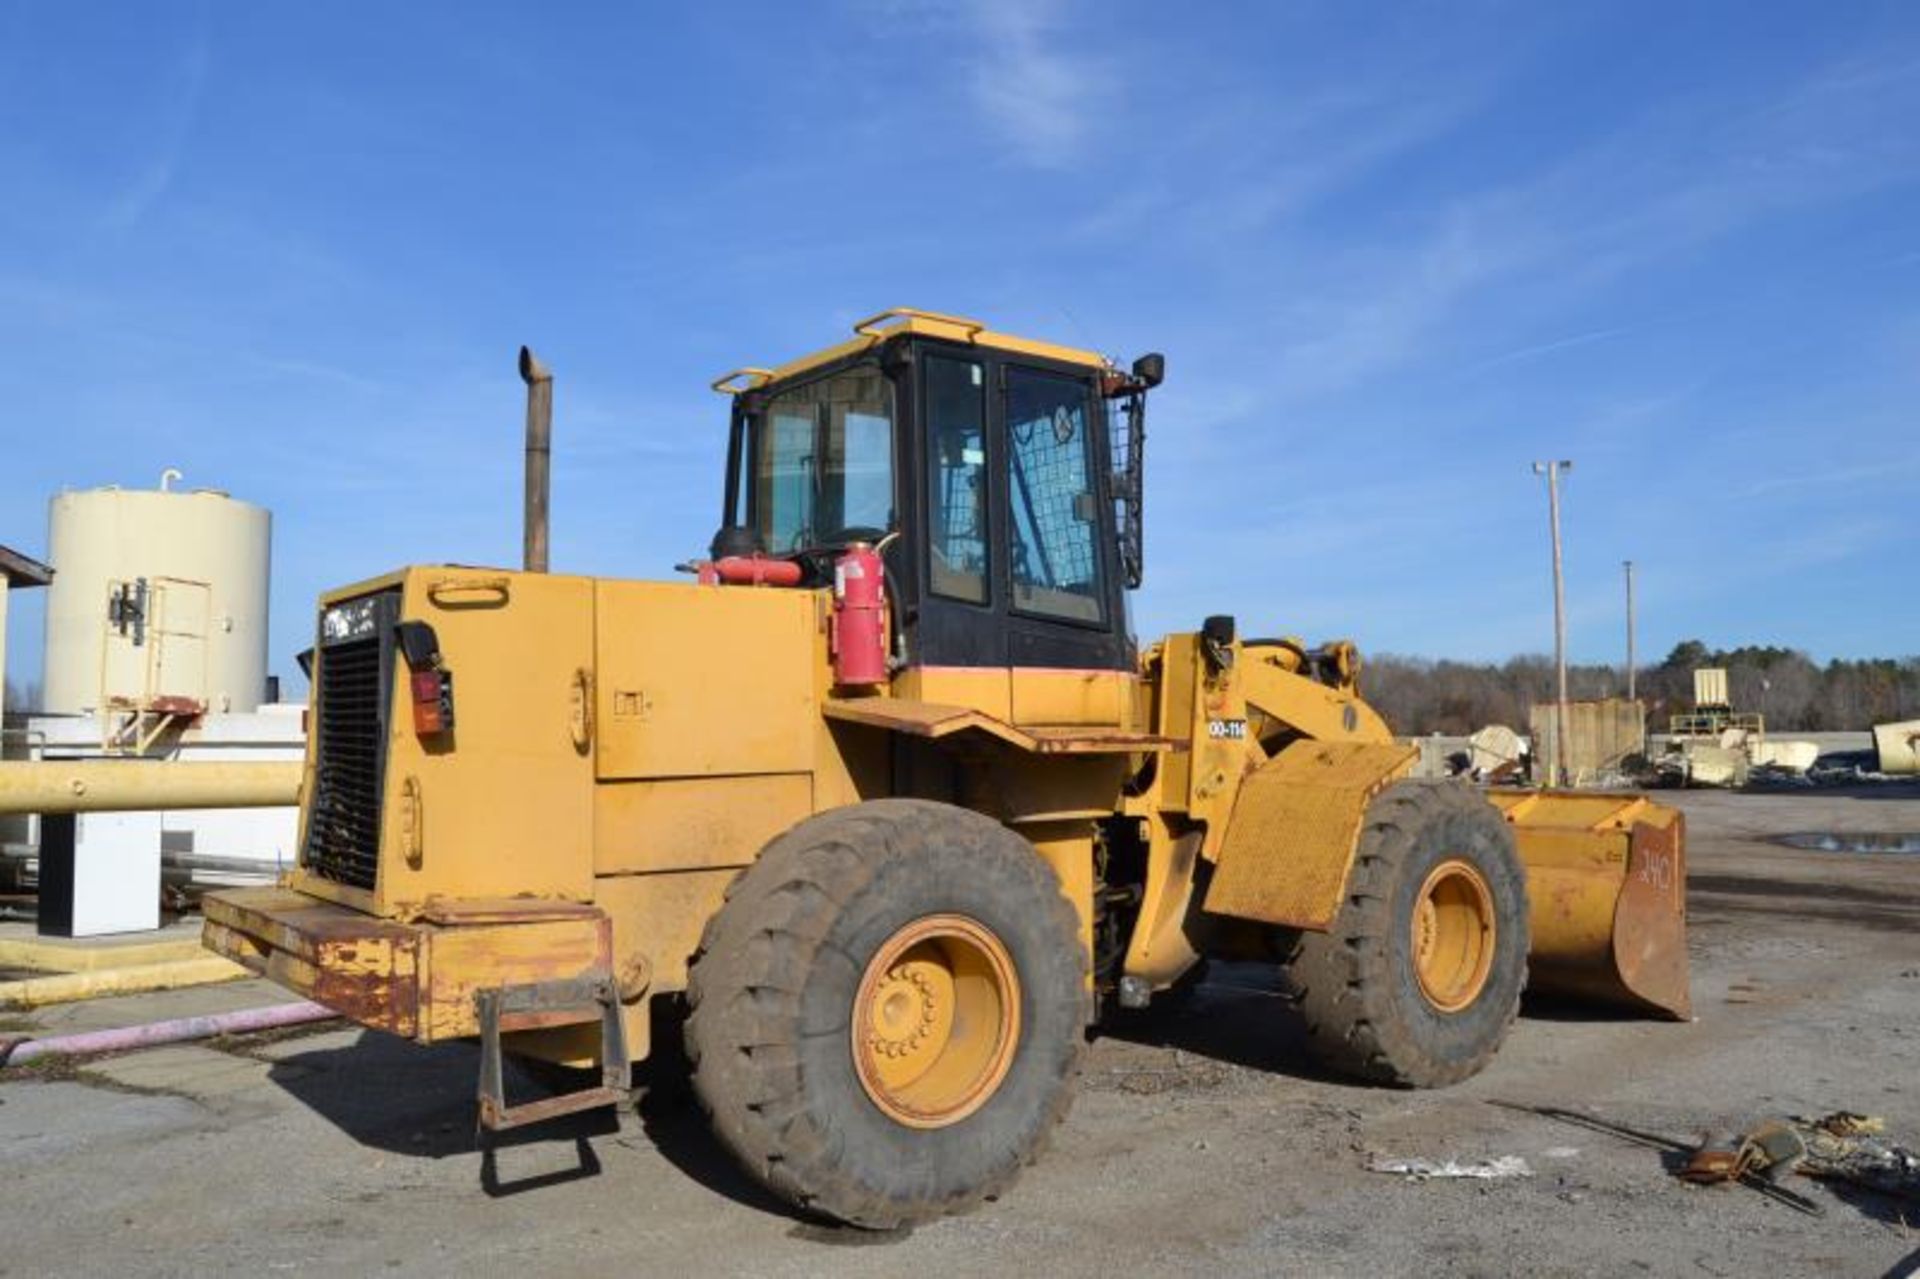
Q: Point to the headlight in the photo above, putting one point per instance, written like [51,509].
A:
[352,620]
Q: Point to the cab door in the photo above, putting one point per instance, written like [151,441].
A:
[961,619]
[1018,563]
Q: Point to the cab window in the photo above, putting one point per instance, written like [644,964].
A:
[823,462]
[1053,555]
[957,484]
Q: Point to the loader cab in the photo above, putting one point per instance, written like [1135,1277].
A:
[999,476]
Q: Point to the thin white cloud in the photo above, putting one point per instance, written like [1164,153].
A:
[1648,192]
[1309,146]
[174,118]
[1029,80]
[1538,349]
[1866,475]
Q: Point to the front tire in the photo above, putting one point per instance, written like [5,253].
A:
[1419,978]
[888,1012]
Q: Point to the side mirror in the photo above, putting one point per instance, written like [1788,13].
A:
[1150,370]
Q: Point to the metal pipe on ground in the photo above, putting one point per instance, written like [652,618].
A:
[539,380]
[108,785]
[177,1030]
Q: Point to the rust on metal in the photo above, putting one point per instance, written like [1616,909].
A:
[363,967]
[417,980]
[464,960]
[502,910]
[592,998]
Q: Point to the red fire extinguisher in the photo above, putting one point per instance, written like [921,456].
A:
[859,617]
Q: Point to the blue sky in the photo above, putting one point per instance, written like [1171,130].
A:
[1393,254]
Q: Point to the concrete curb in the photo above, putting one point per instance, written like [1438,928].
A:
[35,992]
[62,956]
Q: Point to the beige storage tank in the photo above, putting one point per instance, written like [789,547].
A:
[158,601]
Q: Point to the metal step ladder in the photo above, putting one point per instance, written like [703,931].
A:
[541,1006]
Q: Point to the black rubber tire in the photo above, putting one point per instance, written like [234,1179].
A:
[1356,985]
[771,996]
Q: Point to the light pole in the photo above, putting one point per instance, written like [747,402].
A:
[1630,665]
[1553,471]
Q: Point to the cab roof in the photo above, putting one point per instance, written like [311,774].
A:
[895,321]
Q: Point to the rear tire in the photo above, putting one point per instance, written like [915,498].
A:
[1419,978]
[888,1012]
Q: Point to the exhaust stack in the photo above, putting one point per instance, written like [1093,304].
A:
[539,380]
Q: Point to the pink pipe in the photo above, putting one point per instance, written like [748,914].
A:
[128,1038]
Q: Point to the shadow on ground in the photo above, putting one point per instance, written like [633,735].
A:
[1238,1015]
[419,1102]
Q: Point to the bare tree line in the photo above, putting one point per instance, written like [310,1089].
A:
[1419,695]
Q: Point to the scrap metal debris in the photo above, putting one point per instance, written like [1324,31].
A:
[1897,746]
[1669,1145]
[1770,1150]
[1843,1146]
[1481,1169]
[1495,752]
[1852,1147]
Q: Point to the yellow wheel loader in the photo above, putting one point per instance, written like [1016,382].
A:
[890,796]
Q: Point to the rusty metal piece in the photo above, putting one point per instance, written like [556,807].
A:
[1661,1142]
[539,1006]
[1771,1150]
[418,980]
[363,967]
[1721,1159]
[502,910]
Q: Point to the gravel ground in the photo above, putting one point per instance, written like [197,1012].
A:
[1202,1141]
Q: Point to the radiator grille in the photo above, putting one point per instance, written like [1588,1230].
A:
[353,690]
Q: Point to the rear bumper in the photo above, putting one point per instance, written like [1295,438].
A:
[418,980]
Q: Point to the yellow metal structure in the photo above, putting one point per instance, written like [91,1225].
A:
[905,321]
[1455,932]
[103,785]
[936,1019]
[623,750]
[416,979]
[1285,856]
[1607,883]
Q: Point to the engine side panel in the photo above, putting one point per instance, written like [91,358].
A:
[705,681]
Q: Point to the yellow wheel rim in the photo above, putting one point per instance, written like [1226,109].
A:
[1453,935]
[936,1020]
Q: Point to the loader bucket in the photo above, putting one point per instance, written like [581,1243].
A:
[1607,887]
